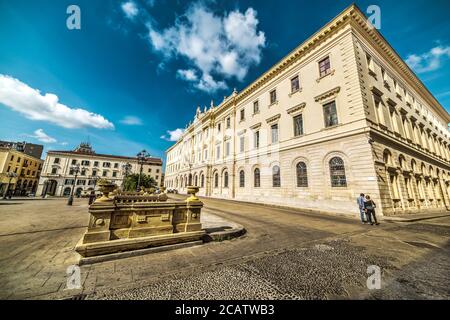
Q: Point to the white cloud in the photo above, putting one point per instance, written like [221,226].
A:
[131,121]
[428,61]
[40,135]
[214,46]
[174,135]
[130,9]
[189,75]
[19,97]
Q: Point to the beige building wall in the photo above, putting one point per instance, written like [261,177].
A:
[212,144]
[27,168]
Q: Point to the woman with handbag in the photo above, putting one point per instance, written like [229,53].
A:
[369,207]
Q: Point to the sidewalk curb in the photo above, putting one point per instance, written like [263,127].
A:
[413,219]
[224,235]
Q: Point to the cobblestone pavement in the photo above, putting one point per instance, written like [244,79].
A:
[286,254]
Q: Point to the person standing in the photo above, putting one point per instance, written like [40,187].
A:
[369,207]
[360,200]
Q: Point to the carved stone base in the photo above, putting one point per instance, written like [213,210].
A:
[121,245]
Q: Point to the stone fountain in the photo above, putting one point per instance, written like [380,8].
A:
[124,221]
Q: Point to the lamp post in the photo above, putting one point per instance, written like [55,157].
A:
[76,170]
[141,156]
[10,175]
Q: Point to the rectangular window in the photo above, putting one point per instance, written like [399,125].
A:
[95,163]
[330,114]
[218,127]
[370,64]
[114,174]
[227,148]
[242,144]
[56,160]
[295,84]
[298,125]
[206,154]
[256,106]
[242,114]
[274,131]
[228,123]
[94,173]
[218,152]
[116,165]
[256,139]
[273,96]
[12,158]
[105,173]
[324,66]
[74,161]
[9,168]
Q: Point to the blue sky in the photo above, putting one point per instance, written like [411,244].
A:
[137,70]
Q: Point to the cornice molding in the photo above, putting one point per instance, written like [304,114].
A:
[274,118]
[296,109]
[328,94]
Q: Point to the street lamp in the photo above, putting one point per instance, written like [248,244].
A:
[76,170]
[141,157]
[10,175]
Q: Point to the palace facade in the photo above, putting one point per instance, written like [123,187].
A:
[58,176]
[340,115]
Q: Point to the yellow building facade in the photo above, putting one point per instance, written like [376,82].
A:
[19,172]
[341,115]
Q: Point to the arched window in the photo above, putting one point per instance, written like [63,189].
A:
[196,181]
[225,179]
[302,176]
[387,158]
[241,179]
[276,180]
[190,180]
[202,181]
[413,165]
[257,178]
[337,172]
[216,180]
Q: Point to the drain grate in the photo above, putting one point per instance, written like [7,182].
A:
[77,297]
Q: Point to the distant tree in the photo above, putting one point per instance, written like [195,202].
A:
[130,182]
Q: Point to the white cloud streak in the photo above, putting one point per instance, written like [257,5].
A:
[131,121]
[173,135]
[21,98]
[428,61]
[215,47]
[40,135]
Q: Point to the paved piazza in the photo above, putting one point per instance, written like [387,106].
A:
[285,254]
